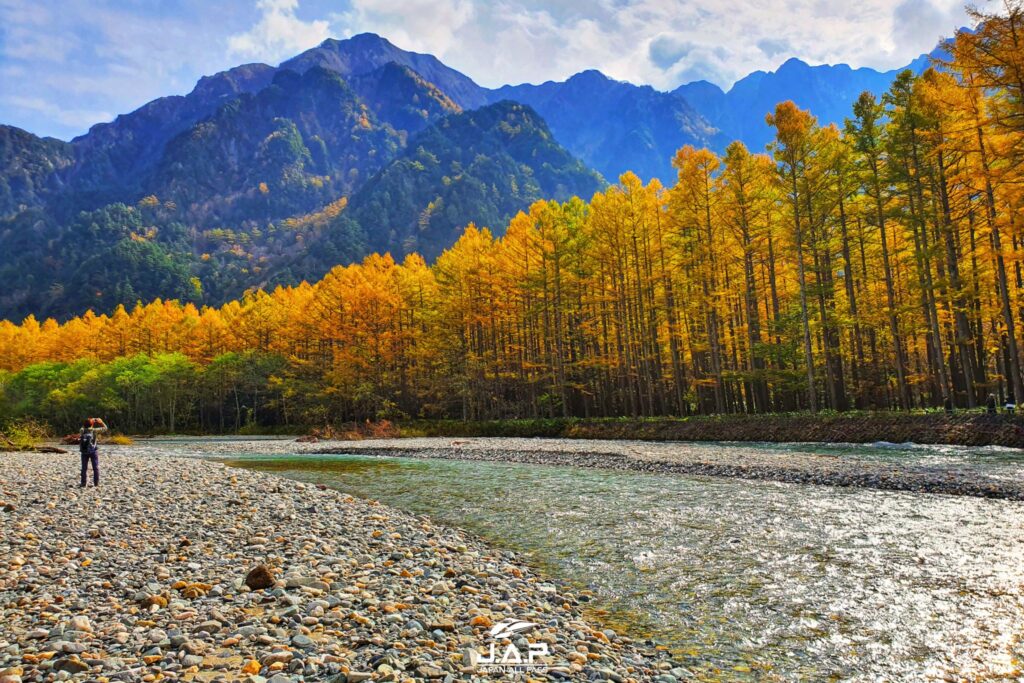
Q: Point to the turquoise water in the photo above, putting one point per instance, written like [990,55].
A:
[741,579]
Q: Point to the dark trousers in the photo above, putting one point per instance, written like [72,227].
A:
[94,457]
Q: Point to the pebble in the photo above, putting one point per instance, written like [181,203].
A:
[182,567]
[81,623]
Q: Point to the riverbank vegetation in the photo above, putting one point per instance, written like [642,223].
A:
[22,435]
[967,428]
[875,267]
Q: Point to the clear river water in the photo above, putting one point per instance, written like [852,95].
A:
[742,579]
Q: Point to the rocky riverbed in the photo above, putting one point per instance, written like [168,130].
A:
[805,465]
[148,578]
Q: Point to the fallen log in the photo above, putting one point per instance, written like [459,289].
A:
[11,447]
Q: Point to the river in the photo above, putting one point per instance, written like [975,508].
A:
[740,579]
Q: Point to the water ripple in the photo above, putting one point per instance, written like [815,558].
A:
[743,579]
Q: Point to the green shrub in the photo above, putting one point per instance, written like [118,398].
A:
[23,434]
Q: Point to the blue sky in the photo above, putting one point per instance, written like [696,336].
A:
[67,64]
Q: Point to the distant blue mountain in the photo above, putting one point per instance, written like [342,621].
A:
[829,91]
[615,126]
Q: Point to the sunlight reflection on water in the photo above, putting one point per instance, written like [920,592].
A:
[790,582]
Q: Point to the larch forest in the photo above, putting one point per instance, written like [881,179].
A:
[876,266]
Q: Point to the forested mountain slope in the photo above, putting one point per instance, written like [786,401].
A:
[30,168]
[478,167]
[255,193]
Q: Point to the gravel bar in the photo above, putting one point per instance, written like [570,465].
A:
[148,576]
[702,459]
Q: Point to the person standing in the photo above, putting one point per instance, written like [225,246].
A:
[88,447]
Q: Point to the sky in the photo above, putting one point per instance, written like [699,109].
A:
[68,64]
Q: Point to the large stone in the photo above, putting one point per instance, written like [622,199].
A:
[442,625]
[301,581]
[81,623]
[282,656]
[260,577]
[71,665]
[426,671]
[303,641]
[210,626]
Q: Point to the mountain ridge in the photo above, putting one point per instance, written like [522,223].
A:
[366,52]
[827,90]
[225,188]
[698,113]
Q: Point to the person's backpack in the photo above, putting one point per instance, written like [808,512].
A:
[87,443]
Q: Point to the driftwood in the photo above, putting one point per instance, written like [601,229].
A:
[8,445]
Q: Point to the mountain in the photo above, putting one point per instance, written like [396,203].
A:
[288,149]
[367,52]
[29,168]
[615,126]
[112,157]
[480,167]
[98,260]
[402,98]
[829,91]
[263,176]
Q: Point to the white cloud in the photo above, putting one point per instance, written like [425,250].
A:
[279,33]
[435,26]
[917,21]
[23,35]
[660,42]
[75,118]
[88,60]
